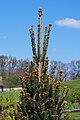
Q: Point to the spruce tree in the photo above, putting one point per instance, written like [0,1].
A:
[41,97]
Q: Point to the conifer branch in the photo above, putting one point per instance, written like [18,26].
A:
[33,42]
[39,32]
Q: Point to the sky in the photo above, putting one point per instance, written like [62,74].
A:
[16,16]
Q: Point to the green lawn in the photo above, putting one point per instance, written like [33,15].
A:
[74,116]
[73,84]
[74,90]
[74,93]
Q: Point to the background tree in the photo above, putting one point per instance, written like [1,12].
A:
[10,66]
[3,64]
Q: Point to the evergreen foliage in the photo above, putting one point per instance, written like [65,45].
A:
[41,97]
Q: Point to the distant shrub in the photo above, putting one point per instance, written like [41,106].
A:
[12,81]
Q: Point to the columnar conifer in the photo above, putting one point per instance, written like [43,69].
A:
[41,97]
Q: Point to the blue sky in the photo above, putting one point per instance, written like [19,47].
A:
[16,16]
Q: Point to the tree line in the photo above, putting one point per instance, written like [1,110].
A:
[71,70]
[11,68]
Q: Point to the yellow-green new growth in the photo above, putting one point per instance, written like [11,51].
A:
[39,56]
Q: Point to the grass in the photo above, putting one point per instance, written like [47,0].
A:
[74,92]
[74,116]
[7,98]
[72,84]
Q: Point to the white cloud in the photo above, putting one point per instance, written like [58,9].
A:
[69,22]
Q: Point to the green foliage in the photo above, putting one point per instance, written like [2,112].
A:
[8,98]
[73,85]
[41,100]
[70,106]
[41,97]
[12,81]
[8,114]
